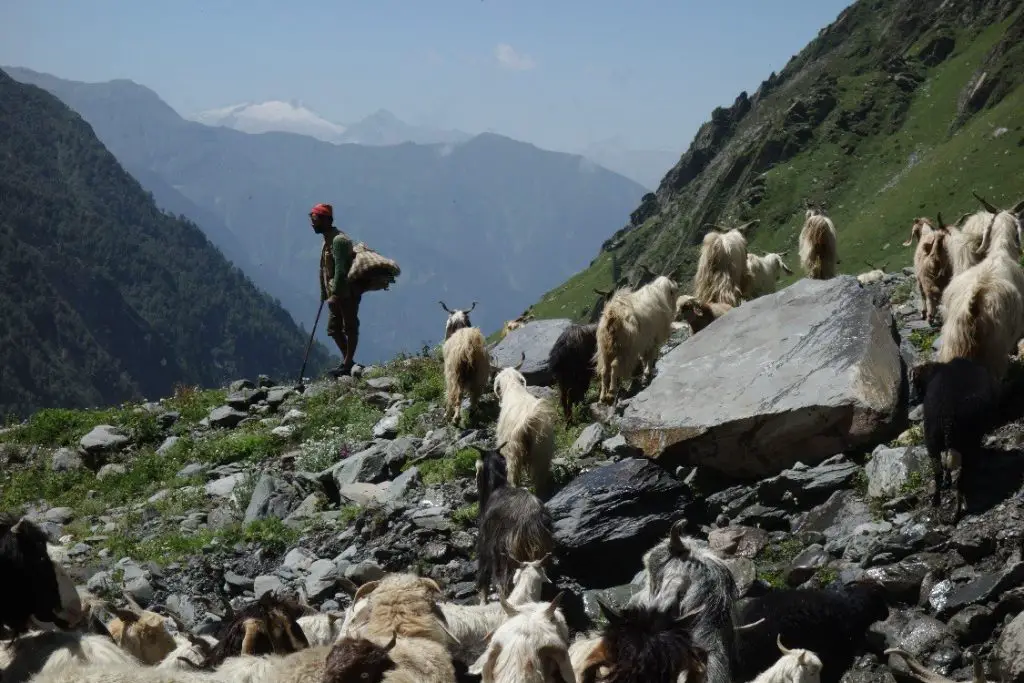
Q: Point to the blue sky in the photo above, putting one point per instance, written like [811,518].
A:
[558,73]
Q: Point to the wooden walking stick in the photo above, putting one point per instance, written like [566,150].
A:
[299,385]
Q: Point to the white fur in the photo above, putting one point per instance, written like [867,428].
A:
[531,647]
[762,274]
[526,427]
[322,629]
[46,652]
[466,369]
[721,267]
[871,277]
[818,246]
[796,666]
[187,650]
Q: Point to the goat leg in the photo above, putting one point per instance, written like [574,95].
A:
[937,472]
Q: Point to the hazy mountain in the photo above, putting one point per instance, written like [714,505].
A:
[384,128]
[645,166]
[104,297]
[489,219]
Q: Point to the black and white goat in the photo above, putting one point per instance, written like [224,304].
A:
[457,319]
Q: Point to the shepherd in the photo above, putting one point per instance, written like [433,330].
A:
[342,297]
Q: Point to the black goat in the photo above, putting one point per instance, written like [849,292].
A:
[29,576]
[831,623]
[358,659]
[959,398]
[645,645]
[571,361]
[267,626]
[514,525]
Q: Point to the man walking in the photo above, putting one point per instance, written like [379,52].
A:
[342,299]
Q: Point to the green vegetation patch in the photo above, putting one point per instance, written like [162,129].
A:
[460,465]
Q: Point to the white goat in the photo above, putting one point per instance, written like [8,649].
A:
[818,246]
[466,370]
[195,649]
[531,647]
[722,267]
[41,653]
[457,319]
[526,425]
[794,666]
[763,273]
[967,246]
[322,629]
[632,329]
[871,276]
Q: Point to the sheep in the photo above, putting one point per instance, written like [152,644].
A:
[514,523]
[40,590]
[984,305]
[699,315]
[43,652]
[763,273]
[722,267]
[923,674]
[794,666]
[642,645]
[267,625]
[531,647]
[457,319]
[830,623]
[402,603]
[571,361]
[818,252]
[526,425]
[632,329]
[933,268]
[959,397]
[682,573]
[466,370]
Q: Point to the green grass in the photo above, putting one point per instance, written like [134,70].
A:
[922,340]
[911,437]
[576,297]
[466,515]
[411,421]
[775,558]
[336,411]
[271,535]
[460,465]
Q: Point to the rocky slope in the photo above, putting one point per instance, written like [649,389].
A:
[898,108]
[103,297]
[259,487]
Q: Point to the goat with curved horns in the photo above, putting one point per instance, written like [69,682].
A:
[457,319]
[921,673]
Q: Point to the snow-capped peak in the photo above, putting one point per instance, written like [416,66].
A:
[273,115]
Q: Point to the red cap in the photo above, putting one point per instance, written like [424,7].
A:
[322,210]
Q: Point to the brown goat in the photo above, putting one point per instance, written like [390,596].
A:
[267,626]
[359,659]
[933,267]
[697,314]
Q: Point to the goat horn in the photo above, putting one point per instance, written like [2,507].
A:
[365,589]
[964,217]
[391,643]
[610,614]
[511,557]
[17,526]
[938,217]
[602,293]
[471,308]
[987,205]
[521,361]
[752,624]
[675,540]
[1018,207]
[555,603]
[509,609]
[919,670]
[444,307]
[782,648]
[348,585]
[783,253]
[134,606]
[748,224]
[985,236]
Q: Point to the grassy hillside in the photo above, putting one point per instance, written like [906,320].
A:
[103,297]
[898,109]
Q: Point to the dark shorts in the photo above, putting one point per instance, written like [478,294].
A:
[343,316]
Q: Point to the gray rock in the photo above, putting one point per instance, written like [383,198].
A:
[383,383]
[323,576]
[193,469]
[902,581]
[298,558]
[167,445]
[103,438]
[805,564]
[740,541]
[241,385]
[226,417]
[801,374]
[110,470]
[277,396]
[60,515]
[434,517]
[387,428]
[221,517]
[947,600]
[225,486]
[808,486]
[1010,650]
[65,460]
[618,510]
[891,471]
[100,582]
[362,493]
[400,451]
[241,400]
[588,440]
[366,466]
[237,583]
[293,416]
[267,583]
[363,572]
[402,484]
[272,497]
[973,624]
[617,445]
[534,339]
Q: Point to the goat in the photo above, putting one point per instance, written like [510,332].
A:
[322,629]
[516,324]
[141,632]
[967,245]
[794,666]
[722,267]
[42,652]
[514,523]
[38,588]
[984,305]
[871,277]
[526,425]
[697,314]
[682,573]
[466,370]
[959,397]
[405,604]
[933,268]
[269,625]
[191,652]
[457,319]
[632,329]
[830,623]
[643,645]
[762,274]
[921,226]
[818,249]
[571,361]
[923,674]
[531,647]
[405,660]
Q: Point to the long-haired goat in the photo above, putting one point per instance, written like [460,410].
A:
[697,314]
[830,623]
[531,647]
[763,273]
[515,526]
[516,324]
[457,319]
[43,652]
[401,660]
[141,632]
[925,675]
[722,267]
[632,329]
[984,305]
[571,361]
[401,603]
[959,399]
[37,586]
[794,666]
[682,573]
[967,246]
[269,625]
[818,245]
[644,645]
[526,426]
[466,370]
[933,268]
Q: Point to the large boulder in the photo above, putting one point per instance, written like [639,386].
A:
[799,375]
[535,339]
[607,518]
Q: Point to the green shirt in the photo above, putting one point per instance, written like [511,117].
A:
[335,261]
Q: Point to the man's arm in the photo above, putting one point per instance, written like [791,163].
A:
[341,249]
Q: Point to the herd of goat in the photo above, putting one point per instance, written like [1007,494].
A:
[684,622]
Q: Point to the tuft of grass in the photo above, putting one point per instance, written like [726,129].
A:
[349,514]
[775,558]
[461,465]
[902,292]
[466,515]
[922,340]
[193,404]
[334,409]
[827,575]
[233,446]
[912,437]
[411,421]
[566,434]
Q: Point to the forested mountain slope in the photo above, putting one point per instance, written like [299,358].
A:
[899,108]
[104,297]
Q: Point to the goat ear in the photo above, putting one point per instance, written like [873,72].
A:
[471,308]
[484,665]
[365,590]
[125,615]
[610,614]
[986,204]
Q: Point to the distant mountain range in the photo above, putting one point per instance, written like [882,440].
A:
[489,219]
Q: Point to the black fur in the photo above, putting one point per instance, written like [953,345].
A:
[571,361]
[506,513]
[960,398]
[358,660]
[29,576]
[831,623]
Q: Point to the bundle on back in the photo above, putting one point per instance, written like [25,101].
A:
[370,271]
